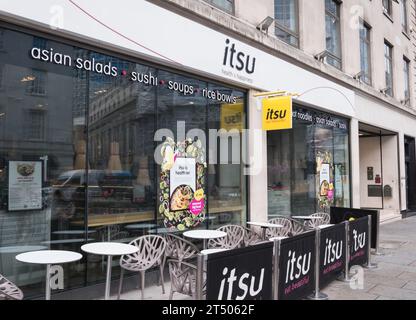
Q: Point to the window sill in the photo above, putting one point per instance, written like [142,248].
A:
[388,16]
[406,34]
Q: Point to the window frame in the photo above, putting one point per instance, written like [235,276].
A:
[366,41]
[212,3]
[31,84]
[390,59]
[406,73]
[404,16]
[338,19]
[389,10]
[283,28]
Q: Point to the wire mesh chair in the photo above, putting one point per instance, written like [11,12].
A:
[9,291]
[297,227]
[151,249]
[251,237]
[279,232]
[325,218]
[234,238]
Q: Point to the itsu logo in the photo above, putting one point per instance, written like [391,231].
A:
[297,266]
[243,282]
[333,251]
[359,240]
[238,59]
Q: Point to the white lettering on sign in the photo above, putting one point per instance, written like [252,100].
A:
[242,284]
[297,266]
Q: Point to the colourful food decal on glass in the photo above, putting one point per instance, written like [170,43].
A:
[182,183]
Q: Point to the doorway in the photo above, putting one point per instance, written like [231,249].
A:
[410,163]
[379,170]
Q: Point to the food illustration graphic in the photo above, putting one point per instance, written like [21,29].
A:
[184,206]
[181,198]
[25,169]
[324,188]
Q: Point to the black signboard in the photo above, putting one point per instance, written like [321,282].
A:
[332,253]
[297,267]
[358,239]
[241,274]
[339,215]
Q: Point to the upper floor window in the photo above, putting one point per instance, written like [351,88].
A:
[365,52]
[286,16]
[403,9]
[406,73]
[39,42]
[34,124]
[387,7]
[388,65]
[36,82]
[225,5]
[333,32]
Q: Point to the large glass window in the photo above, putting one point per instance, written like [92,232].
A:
[225,5]
[365,52]
[388,68]
[84,130]
[308,166]
[286,16]
[333,32]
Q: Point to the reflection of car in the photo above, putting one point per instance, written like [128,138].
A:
[104,187]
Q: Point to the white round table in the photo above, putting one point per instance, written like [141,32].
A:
[307,217]
[323,226]
[264,226]
[210,251]
[49,257]
[109,249]
[277,238]
[205,235]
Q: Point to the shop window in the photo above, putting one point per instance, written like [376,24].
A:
[225,5]
[40,43]
[286,17]
[333,32]
[36,82]
[308,166]
[1,39]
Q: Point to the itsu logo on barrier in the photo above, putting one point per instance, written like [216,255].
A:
[241,274]
[246,285]
[359,241]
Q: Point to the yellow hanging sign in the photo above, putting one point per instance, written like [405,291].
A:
[277,113]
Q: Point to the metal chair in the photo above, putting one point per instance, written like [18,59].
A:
[251,237]
[312,224]
[179,248]
[182,278]
[151,249]
[9,291]
[234,238]
[279,232]
[297,227]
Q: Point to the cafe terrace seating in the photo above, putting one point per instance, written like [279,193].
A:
[325,219]
[234,238]
[279,232]
[151,250]
[9,291]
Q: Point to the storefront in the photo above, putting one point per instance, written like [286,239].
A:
[308,166]
[77,149]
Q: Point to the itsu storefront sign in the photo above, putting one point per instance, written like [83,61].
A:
[358,235]
[297,267]
[332,253]
[182,183]
[241,274]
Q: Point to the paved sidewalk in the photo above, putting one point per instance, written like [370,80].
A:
[395,277]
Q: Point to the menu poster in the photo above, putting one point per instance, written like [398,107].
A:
[182,183]
[324,179]
[25,185]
